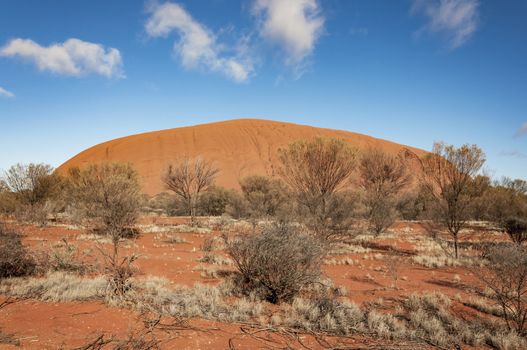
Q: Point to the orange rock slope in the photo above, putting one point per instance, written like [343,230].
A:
[238,147]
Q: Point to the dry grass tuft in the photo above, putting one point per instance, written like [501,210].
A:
[55,287]
[174,239]
[215,259]
[213,243]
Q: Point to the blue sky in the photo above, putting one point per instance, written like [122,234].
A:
[74,73]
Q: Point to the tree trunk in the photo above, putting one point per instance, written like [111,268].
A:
[455,245]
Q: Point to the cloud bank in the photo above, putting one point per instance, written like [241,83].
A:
[196,46]
[456,20]
[74,57]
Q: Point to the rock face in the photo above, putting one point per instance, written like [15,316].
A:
[238,147]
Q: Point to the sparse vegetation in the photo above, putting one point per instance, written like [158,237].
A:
[265,197]
[278,262]
[62,256]
[215,259]
[506,276]
[382,177]
[188,179]
[282,234]
[447,175]
[516,229]
[109,195]
[317,171]
[31,191]
[57,287]
[214,201]
[14,258]
[213,243]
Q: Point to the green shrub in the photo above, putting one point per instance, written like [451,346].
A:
[214,201]
[265,196]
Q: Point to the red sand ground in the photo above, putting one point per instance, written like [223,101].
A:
[41,325]
[238,147]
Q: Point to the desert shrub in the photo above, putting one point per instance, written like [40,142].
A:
[14,258]
[214,201]
[31,192]
[119,273]
[8,203]
[62,257]
[334,218]
[381,214]
[506,276]
[516,229]
[32,183]
[448,176]
[188,179]
[108,195]
[237,207]
[381,177]
[412,205]
[278,262]
[265,196]
[167,204]
[505,199]
[317,171]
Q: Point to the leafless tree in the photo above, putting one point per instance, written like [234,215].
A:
[317,170]
[447,175]
[189,178]
[382,177]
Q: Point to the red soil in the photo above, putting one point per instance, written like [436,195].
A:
[41,325]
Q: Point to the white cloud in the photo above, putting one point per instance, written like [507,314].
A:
[5,93]
[457,20]
[295,25]
[522,130]
[197,45]
[74,57]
